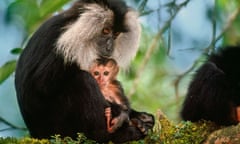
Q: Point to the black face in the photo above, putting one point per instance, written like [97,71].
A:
[105,42]
[105,46]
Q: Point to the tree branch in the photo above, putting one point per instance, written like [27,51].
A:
[208,49]
[12,126]
[153,46]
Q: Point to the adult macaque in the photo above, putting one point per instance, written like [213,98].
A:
[214,93]
[55,91]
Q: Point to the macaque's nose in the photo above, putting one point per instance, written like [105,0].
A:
[102,81]
[99,80]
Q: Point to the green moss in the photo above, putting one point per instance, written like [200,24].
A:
[185,132]
[81,139]
[164,132]
[26,140]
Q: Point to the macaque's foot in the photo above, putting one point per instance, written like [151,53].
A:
[148,119]
[143,122]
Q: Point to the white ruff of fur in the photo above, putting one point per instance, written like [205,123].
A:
[76,43]
[127,43]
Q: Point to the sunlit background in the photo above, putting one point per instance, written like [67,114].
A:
[176,36]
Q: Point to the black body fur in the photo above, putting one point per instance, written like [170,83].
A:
[56,97]
[214,92]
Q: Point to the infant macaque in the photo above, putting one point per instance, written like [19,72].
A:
[105,72]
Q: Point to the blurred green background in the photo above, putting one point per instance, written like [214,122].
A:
[177,35]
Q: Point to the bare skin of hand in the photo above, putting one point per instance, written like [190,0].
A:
[115,123]
[108,116]
[238,113]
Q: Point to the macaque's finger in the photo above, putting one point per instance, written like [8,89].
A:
[108,112]
[238,113]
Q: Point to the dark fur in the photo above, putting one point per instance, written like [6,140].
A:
[214,91]
[58,98]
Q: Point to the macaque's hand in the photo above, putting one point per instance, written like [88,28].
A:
[108,115]
[118,121]
[238,113]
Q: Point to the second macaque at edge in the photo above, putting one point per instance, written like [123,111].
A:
[105,72]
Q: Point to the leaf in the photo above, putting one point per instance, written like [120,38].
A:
[16,51]
[6,70]
[49,6]
[24,12]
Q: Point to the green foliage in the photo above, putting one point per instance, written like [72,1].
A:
[6,70]
[25,12]
[11,140]
[81,139]
[228,15]
[30,13]
[165,132]
[16,51]
[50,6]
[184,132]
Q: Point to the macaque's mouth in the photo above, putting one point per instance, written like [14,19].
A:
[104,56]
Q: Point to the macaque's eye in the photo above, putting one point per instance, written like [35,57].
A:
[96,73]
[106,31]
[106,73]
[116,34]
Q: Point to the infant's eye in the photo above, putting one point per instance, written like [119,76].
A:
[96,73]
[106,73]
